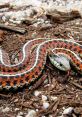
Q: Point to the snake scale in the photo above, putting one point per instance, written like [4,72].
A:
[34,54]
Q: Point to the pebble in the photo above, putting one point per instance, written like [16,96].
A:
[6,23]
[34,35]
[47,85]
[44,98]
[17,109]
[19,116]
[4,18]
[45,105]
[77,23]
[40,20]
[68,111]
[7,109]
[37,93]
[16,100]
[53,98]
[16,61]
[15,22]
[31,113]
[20,113]
[37,110]
[50,116]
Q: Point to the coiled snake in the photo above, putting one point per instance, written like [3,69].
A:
[33,60]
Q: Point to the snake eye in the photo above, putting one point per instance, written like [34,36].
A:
[61,65]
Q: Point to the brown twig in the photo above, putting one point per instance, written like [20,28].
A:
[76,84]
[6,96]
[38,83]
[11,28]
[25,105]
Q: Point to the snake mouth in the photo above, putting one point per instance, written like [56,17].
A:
[66,69]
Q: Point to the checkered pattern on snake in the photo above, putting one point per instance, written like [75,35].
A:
[34,54]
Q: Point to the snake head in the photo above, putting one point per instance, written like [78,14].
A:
[60,61]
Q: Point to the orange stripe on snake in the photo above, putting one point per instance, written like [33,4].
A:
[34,54]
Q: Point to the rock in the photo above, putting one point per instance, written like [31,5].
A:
[50,116]
[37,93]
[15,22]
[37,110]
[6,23]
[31,113]
[44,98]
[17,109]
[45,26]
[45,105]
[68,111]
[53,98]
[19,116]
[34,35]
[7,109]
[16,60]
[4,18]
[16,100]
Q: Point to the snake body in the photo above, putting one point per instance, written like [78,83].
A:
[33,60]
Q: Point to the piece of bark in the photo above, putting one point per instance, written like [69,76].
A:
[1,35]
[61,15]
[4,6]
[12,28]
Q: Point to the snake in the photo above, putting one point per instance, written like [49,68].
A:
[33,60]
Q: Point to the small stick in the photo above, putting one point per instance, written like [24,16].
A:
[38,83]
[76,84]
[11,28]
[4,5]
[3,95]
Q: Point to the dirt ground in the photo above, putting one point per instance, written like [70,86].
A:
[61,90]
